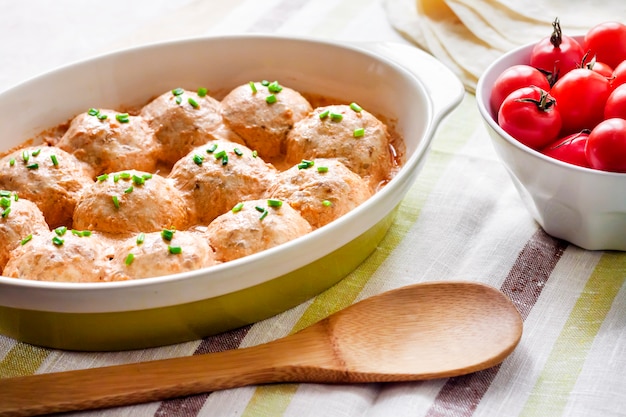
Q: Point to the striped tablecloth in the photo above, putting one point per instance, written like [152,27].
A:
[461,220]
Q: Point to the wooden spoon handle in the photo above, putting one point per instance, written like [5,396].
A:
[130,384]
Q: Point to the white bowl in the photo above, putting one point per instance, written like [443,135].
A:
[404,84]
[583,206]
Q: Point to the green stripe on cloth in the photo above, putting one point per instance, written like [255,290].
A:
[556,381]
[22,359]
[273,400]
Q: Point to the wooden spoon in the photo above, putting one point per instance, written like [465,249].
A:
[422,331]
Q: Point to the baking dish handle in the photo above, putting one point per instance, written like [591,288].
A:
[442,85]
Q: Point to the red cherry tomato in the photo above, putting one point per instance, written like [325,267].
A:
[529,114]
[607,41]
[616,103]
[570,149]
[606,146]
[557,54]
[619,75]
[601,68]
[581,95]
[513,78]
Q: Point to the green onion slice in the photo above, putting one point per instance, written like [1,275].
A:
[178,91]
[360,132]
[36,152]
[57,241]
[33,166]
[271,99]
[167,234]
[93,112]
[129,190]
[138,180]
[116,201]
[356,107]
[174,250]
[193,103]
[324,114]
[60,231]
[11,162]
[26,240]
[212,148]
[336,117]
[5,212]
[122,117]
[274,87]
[141,238]
[238,151]
[198,159]
[129,259]
[237,207]
[322,169]
[327,203]
[55,160]
[274,203]
[252,87]
[5,202]
[102,177]
[202,92]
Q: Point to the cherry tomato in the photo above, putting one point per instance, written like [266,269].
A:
[581,95]
[616,103]
[599,67]
[607,41]
[530,115]
[606,146]
[619,75]
[557,54]
[570,149]
[513,78]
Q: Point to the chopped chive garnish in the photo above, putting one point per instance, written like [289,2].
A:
[116,201]
[102,177]
[255,154]
[324,114]
[146,176]
[198,159]
[360,132]
[141,238]
[202,92]
[237,207]
[122,117]
[220,154]
[26,240]
[55,160]
[178,91]
[11,162]
[264,214]
[129,259]
[167,234]
[93,112]
[193,103]
[124,175]
[36,152]
[33,166]
[25,156]
[274,203]
[238,151]
[174,250]
[305,163]
[138,180]
[271,99]
[129,190]
[78,233]
[212,148]
[5,202]
[225,160]
[6,212]
[179,99]
[60,231]
[336,117]
[86,233]
[15,197]
[274,87]
[116,177]
[5,193]
[102,116]
[265,83]
[252,86]
[356,107]
[259,209]
[327,203]
[322,169]
[57,241]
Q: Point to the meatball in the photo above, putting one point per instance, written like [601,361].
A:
[179,125]
[218,175]
[130,201]
[335,132]
[61,255]
[20,218]
[321,190]
[111,141]
[261,122]
[161,253]
[49,177]
[253,226]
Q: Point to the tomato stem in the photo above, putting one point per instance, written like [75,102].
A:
[557,35]
[545,102]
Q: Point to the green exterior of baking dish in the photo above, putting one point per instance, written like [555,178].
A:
[191,321]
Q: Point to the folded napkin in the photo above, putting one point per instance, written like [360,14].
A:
[467,35]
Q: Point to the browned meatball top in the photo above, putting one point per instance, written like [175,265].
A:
[253,226]
[182,120]
[130,201]
[218,175]
[322,190]
[49,177]
[356,138]
[110,141]
[264,122]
